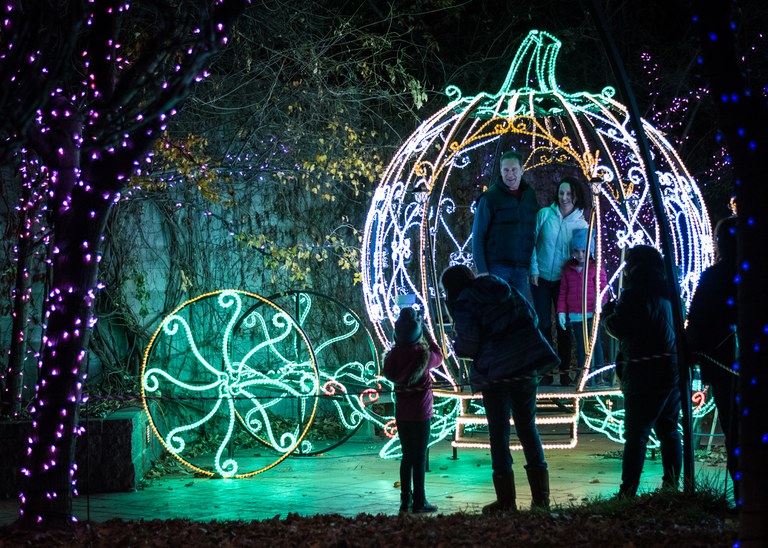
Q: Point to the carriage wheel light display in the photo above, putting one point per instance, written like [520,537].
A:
[231,367]
[420,217]
[218,357]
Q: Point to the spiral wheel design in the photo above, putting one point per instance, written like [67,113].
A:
[226,355]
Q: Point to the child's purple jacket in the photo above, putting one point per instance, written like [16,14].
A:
[413,401]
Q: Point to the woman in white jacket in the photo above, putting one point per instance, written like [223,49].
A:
[554,229]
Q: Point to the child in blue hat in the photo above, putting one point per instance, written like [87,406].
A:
[408,365]
[571,299]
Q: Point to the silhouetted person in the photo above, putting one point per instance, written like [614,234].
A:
[408,365]
[641,320]
[496,326]
[711,334]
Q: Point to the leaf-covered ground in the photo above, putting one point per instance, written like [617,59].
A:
[666,519]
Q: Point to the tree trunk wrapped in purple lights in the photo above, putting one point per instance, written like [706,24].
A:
[91,118]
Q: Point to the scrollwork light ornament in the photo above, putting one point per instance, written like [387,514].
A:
[207,364]
[587,131]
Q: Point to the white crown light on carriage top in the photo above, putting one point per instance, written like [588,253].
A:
[425,199]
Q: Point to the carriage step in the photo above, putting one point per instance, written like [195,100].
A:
[557,418]
[560,435]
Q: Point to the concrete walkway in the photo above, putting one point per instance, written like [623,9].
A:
[353,479]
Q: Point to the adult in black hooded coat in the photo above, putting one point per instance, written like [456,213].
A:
[641,320]
[711,335]
[496,326]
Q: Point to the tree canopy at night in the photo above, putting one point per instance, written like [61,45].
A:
[89,120]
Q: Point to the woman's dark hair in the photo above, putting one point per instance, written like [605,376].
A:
[455,279]
[645,268]
[576,192]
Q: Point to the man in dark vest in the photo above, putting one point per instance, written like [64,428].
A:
[505,219]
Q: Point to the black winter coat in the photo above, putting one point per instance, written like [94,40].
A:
[712,313]
[641,320]
[488,319]
[502,231]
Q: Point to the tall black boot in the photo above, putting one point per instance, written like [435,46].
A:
[670,481]
[538,479]
[405,501]
[627,491]
[420,504]
[504,484]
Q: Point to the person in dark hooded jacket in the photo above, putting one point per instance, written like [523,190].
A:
[711,335]
[487,313]
[641,320]
[408,365]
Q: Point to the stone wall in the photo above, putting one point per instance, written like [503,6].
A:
[113,455]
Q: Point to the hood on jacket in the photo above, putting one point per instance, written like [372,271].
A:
[487,289]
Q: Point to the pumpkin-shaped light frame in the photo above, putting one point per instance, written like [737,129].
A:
[419,221]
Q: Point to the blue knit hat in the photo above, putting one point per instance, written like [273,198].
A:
[407,327]
[579,239]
